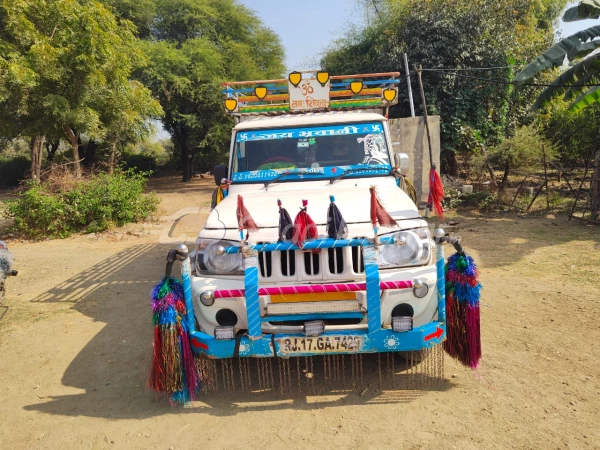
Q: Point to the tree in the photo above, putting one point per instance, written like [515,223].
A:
[525,152]
[196,45]
[576,83]
[441,34]
[64,59]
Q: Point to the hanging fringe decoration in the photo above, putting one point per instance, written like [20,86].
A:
[304,227]
[173,362]
[436,193]
[463,340]
[378,212]
[336,225]
[245,220]
[286,226]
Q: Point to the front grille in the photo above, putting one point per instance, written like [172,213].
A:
[297,265]
[311,263]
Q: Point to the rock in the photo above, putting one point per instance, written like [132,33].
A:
[454,375]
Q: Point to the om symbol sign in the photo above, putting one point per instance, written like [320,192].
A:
[307,88]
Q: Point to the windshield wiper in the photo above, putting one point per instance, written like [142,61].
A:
[285,174]
[351,171]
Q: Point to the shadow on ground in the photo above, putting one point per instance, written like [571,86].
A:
[112,368]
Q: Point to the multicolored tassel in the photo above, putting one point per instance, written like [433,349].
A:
[173,362]
[463,338]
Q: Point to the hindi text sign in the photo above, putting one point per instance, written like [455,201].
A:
[309,95]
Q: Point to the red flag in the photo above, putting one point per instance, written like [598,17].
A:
[378,212]
[304,226]
[436,193]
[245,220]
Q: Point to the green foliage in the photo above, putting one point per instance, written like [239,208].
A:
[574,82]
[484,200]
[65,67]
[90,206]
[574,134]
[196,45]
[140,163]
[523,153]
[13,169]
[455,34]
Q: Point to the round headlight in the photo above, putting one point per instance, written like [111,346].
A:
[398,255]
[220,262]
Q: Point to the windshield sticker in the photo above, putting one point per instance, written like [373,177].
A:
[374,146]
[322,172]
[291,133]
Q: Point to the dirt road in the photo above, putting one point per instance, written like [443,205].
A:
[75,347]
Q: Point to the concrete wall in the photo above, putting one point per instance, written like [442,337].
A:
[410,136]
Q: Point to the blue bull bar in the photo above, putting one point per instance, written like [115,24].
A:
[374,339]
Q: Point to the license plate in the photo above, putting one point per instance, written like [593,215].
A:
[320,344]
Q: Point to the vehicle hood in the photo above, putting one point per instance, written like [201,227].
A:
[353,201]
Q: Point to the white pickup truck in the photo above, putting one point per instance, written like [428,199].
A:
[374,289]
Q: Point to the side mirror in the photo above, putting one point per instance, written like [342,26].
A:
[401,162]
[220,173]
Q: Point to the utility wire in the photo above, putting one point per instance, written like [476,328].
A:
[498,81]
[468,69]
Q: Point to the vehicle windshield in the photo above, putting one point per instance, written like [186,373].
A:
[263,154]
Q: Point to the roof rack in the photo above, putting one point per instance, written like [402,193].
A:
[311,91]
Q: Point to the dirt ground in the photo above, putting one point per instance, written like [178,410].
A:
[75,346]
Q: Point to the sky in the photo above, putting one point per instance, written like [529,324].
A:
[307,28]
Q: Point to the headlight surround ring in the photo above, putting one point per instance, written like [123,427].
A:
[211,259]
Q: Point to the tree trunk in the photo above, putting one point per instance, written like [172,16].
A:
[505,176]
[51,149]
[489,167]
[37,147]
[74,141]
[450,163]
[595,189]
[111,163]
[186,161]
[90,153]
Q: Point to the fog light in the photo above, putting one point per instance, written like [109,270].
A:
[420,288]
[402,323]
[314,328]
[207,298]
[224,333]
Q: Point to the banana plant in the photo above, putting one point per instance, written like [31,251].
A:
[576,83]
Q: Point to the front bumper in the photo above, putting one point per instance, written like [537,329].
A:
[383,340]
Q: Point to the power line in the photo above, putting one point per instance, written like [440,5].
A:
[468,69]
[498,81]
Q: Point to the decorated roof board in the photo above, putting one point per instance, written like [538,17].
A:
[311,91]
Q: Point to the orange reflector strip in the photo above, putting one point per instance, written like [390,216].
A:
[322,297]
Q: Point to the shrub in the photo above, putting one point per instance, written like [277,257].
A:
[13,170]
[140,163]
[89,205]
